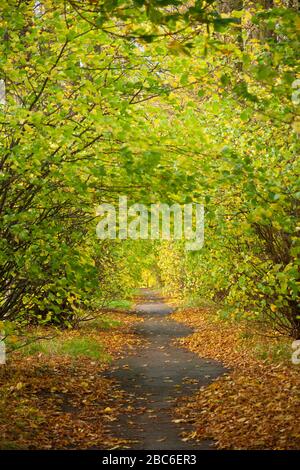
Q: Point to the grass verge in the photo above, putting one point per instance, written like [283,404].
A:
[53,394]
[73,347]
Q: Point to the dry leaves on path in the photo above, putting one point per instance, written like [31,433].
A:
[256,405]
[60,402]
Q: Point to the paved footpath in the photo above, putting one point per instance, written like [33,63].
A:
[155,376]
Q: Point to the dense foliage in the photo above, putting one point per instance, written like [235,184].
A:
[246,168]
[161,101]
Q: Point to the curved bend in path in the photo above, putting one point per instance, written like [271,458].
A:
[155,376]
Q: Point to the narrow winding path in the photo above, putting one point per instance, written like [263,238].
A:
[155,376]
